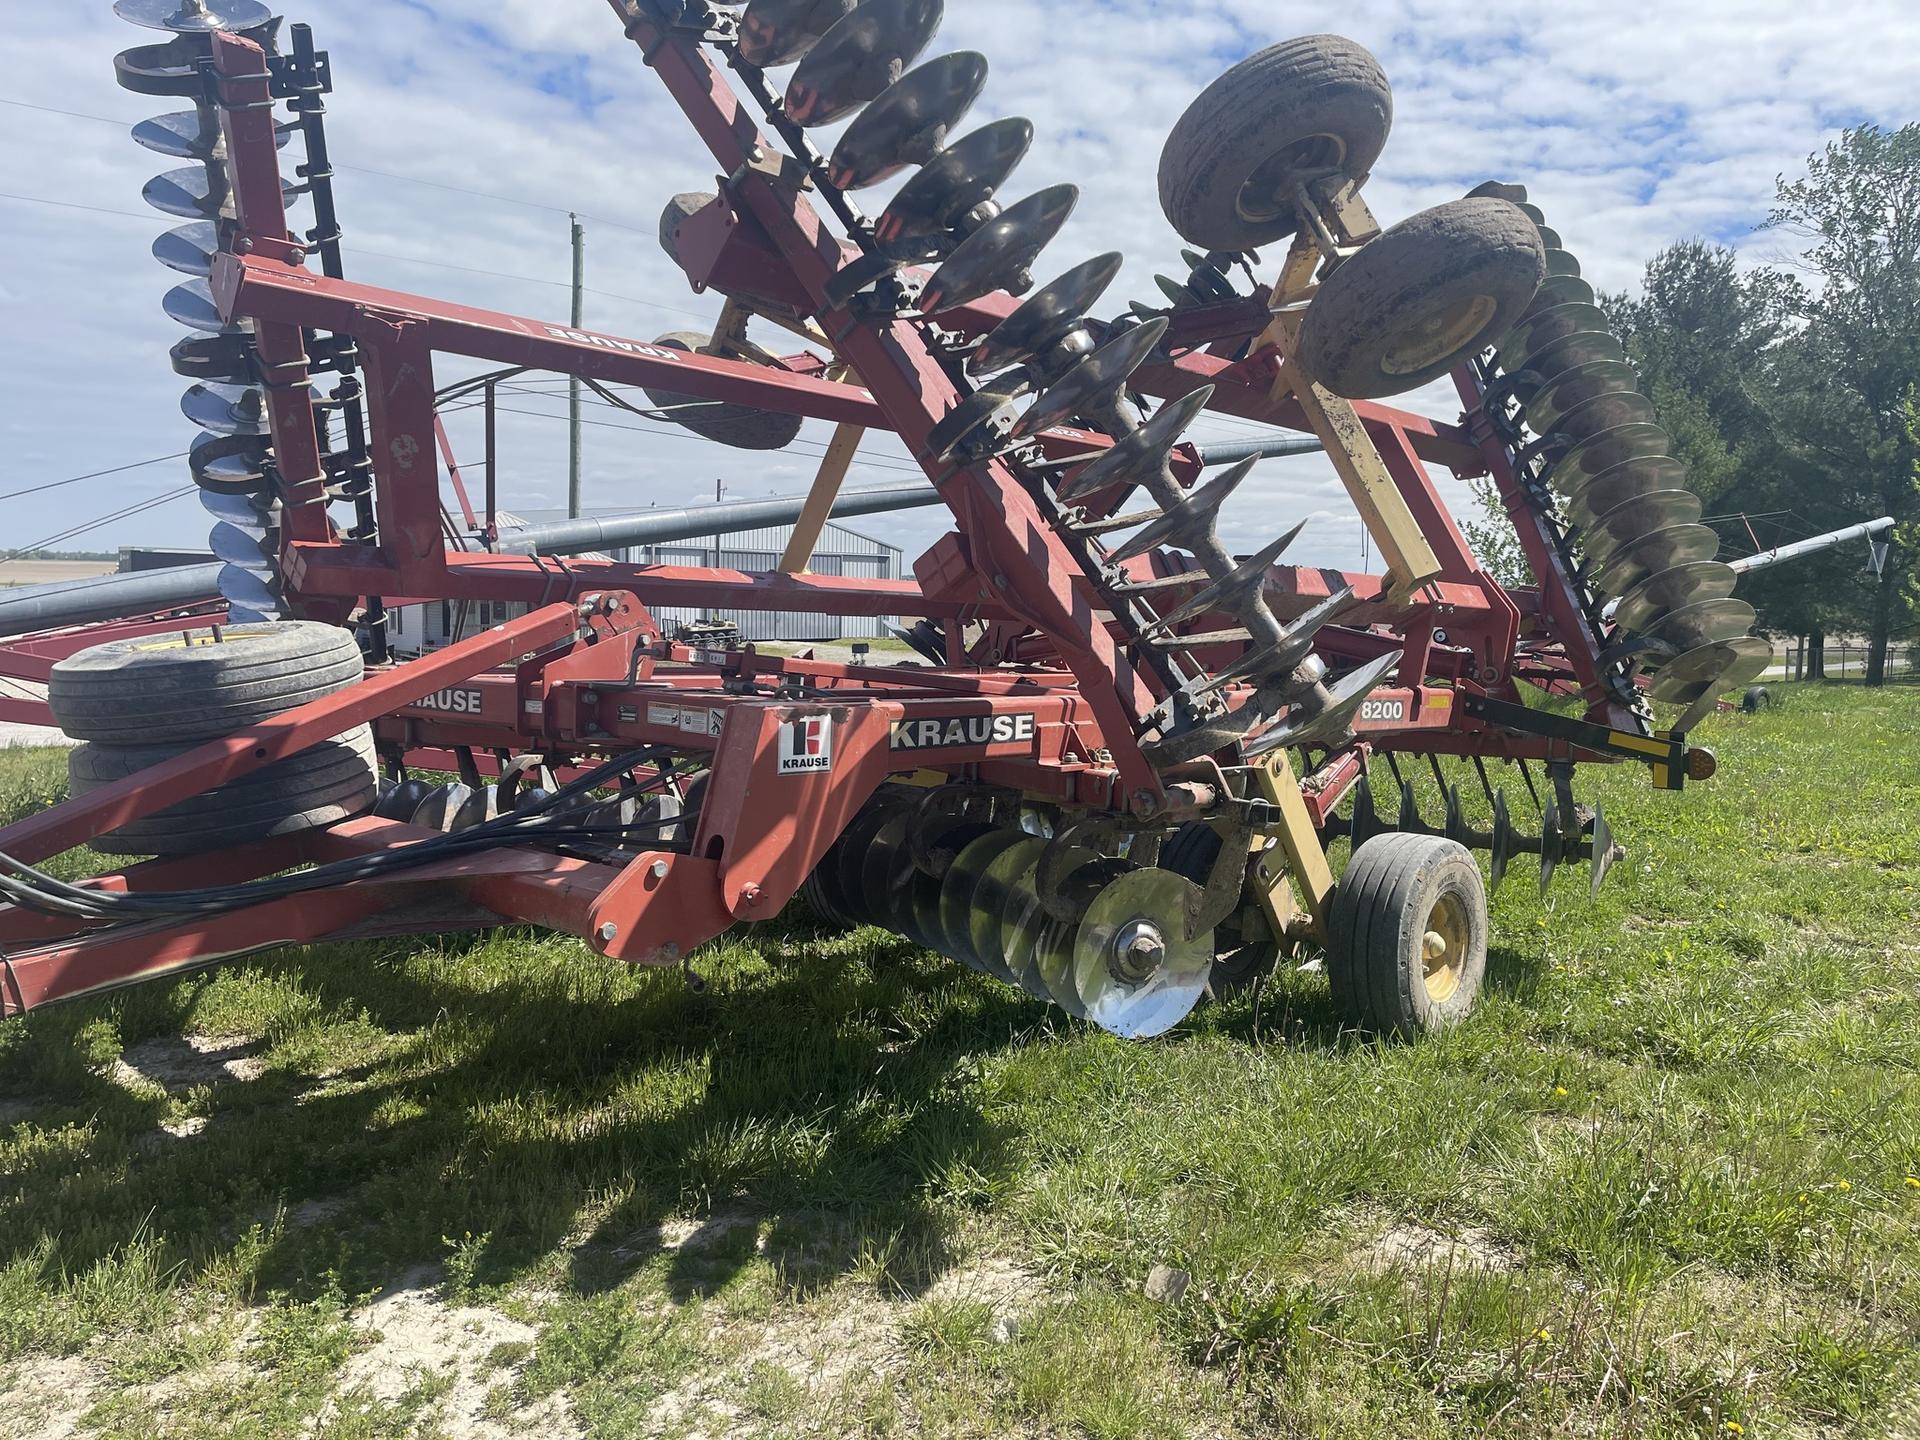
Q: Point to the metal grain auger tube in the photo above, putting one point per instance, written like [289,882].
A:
[1112,769]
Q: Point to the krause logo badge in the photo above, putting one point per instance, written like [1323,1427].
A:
[941,731]
[806,745]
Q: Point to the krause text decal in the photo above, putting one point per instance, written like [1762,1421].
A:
[806,745]
[940,731]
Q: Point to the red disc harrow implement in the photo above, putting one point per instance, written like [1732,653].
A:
[1112,772]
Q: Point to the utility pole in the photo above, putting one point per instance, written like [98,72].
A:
[573,381]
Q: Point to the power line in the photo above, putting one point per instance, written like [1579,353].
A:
[93,475]
[377,255]
[369,170]
[95,524]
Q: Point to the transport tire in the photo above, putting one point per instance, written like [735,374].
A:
[1421,297]
[1303,106]
[158,689]
[1407,935]
[333,781]
[741,426]
[1756,697]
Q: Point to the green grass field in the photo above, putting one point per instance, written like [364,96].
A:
[1666,1183]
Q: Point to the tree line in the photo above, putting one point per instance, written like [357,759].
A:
[1790,389]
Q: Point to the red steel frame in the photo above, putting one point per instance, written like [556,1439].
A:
[586,674]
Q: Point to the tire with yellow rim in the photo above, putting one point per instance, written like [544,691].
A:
[1407,935]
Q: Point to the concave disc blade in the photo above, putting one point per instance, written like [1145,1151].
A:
[1000,254]
[909,123]
[1093,381]
[1047,316]
[230,464]
[991,895]
[1590,497]
[1671,589]
[188,192]
[189,248]
[886,874]
[1570,352]
[1053,957]
[1562,264]
[1558,290]
[1642,515]
[247,590]
[1574,388]
[1137,972]
[194,17]
[861,56]
[1603,413]
[959,179]
[1135,455]
[1712,670]
[957,888]
[1022,919]
[1540,328]
[226,409]
[192,135]
[1596,454]
[221,358]
[779,32]
[1662,550]
[191,304]
[861,872]
[240,547]
[1705,622]
[238,511]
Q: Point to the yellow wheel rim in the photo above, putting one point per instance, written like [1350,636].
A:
[1443,948]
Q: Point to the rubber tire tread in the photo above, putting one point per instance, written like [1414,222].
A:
[121,693]
[330,782]
[1310,85]
[1367,943]
[745,427]
[1472,246]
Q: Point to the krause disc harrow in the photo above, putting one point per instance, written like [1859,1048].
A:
[1089,787]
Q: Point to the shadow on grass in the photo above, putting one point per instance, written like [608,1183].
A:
[827,1100]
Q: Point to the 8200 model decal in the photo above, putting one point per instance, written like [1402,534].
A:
[1383,709]
[939,732]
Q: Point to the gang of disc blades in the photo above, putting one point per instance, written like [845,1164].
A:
[1712,670]
[1022,919]
[1642,515]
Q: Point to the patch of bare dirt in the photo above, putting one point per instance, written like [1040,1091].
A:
[44,1399]
[1409,1245]
[415,1334]
[177,1064]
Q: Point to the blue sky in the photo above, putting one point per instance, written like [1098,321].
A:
[1633,125]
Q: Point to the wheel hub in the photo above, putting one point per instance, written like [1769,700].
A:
[1268,192]
[1443,948]
[1438,335]
[1138,949]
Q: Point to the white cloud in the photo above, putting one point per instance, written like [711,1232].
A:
[1634,126]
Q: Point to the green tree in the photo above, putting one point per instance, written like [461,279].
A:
[1847,382]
